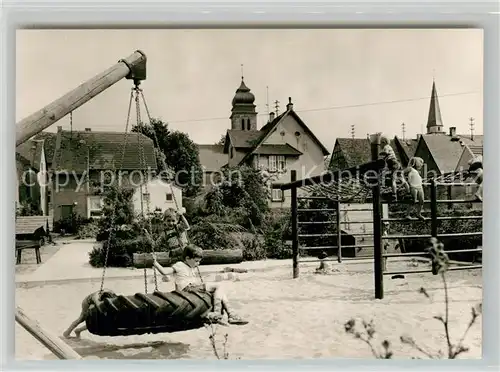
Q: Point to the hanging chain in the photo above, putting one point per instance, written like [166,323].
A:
[142,157]
[164,163]
[113,209]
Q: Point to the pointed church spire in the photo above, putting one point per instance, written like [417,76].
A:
[434,121]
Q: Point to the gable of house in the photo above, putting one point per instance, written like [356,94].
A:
[104,150]
[405,148]
[32,151]
[289,128]
[440,152]
[212,157]
[352,152]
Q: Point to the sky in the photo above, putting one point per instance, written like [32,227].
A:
[374,79]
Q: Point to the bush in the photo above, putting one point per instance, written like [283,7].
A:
[88,231]
[276,231]
[71,224]
[253,249]
[444,227]
[214,233]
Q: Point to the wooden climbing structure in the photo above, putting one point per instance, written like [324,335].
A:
[365,184]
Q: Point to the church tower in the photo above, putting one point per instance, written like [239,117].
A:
[434,121]
[243,114]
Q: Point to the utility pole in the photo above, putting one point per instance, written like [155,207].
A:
[471,125]
[403,128]
[277,107]
[267,100]
[353,131]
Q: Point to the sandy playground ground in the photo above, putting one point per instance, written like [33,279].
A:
[301,318]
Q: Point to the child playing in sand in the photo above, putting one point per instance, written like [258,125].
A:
[87,302]
[187,278]
[416,187]
[393,165]
[476,167]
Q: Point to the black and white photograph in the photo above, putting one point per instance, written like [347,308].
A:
[266,193]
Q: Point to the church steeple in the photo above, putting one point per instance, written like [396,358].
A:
[434,121]
[243,114]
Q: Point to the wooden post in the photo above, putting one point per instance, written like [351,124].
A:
[132,67]
[57,346]
[377,224]
[434,221]
[295,227]
[339,231]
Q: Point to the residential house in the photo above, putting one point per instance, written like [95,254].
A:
[352,152]
[80,156]
[446,152]
[283,144]
[31,177]
[212,159]
[156,195]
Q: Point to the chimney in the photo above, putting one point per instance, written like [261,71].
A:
[271,116]
[453,131]
[88,129]
[289,106]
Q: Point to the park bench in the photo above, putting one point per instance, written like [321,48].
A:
[22,245]
[31,233]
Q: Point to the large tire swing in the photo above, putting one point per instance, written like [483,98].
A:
[157,312]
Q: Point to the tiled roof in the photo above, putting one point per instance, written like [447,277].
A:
[477,141]
[409,146]
[243,138]
[445,151]
[212,157]
[356,151]
[31,151]
[476,150]
[270,149]
[105,151]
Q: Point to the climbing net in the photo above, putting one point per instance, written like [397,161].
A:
[359,187]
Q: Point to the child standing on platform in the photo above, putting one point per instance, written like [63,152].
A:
[393,165]
[476,167]
[416,187]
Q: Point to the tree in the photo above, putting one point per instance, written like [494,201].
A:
[179,152]
[222,140]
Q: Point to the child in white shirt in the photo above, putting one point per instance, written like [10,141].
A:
[187,278]
[416,187]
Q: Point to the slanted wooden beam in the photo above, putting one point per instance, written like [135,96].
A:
[57,346]
[133,67]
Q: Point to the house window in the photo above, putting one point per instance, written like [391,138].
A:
[248,124]
[232,152]
[169,197]
[277,194]
[277,163]
[242,123]
[95,205]
[273,163]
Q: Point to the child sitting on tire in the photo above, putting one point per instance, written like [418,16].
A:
[187,278]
